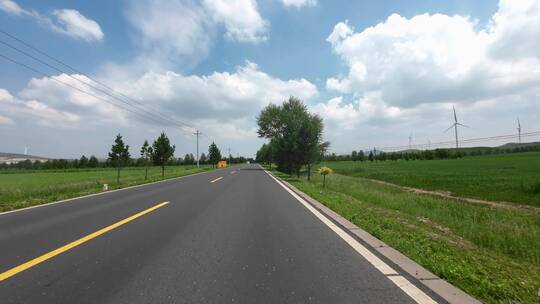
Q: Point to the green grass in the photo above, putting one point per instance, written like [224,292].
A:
[509,177]
[491,253]
[19,188]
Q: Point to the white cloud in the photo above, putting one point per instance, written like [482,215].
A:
[33,110]
[220,98]
[6,120]
[54,93]
[68,22]
[180,33]
[170,30]
[299,3]
[241,19]
[440,58]
[11,7]
[371,109]
[72,23]
[220,95]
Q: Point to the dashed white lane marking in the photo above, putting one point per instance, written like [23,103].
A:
[215,180]
[410,289]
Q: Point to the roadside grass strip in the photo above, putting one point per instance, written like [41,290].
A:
[410,289]
[491,253]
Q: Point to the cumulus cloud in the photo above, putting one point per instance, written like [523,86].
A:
[68,22]
[220,95]
[72,23]
[299,3]
[11,7]
[220,98]
[371,109]
[169,29]
[241,19]
[440,58]
[30,109]
[66,93]
[181,32]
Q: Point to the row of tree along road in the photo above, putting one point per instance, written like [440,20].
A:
[159,153]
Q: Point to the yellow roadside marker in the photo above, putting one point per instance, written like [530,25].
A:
[49,255]
[216,179]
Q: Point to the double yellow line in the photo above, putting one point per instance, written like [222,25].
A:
[49,255]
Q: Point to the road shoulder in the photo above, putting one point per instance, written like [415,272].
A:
[442,288]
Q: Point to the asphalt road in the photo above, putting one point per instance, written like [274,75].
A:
[242,238]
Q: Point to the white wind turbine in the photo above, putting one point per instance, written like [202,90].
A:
[455,126]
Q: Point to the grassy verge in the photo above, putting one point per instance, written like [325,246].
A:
[493,254]
[508,177]
[23,189]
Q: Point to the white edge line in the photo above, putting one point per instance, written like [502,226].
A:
[100,193]
[410,289]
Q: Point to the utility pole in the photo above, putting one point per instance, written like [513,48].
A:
[197,134]
[519,131]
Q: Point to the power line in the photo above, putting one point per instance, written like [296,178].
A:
[463,141]
[80,90]
[159,116]
[82,73]
[142,107]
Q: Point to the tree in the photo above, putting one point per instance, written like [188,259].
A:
[162,151]
[146,155]
[214,155]
[295,134]
[324,171]
[354,155]
[119,154]
[189,159]
[361,156]
[203,159]
[265,154]
[371,157]
[93,162]
[83,162]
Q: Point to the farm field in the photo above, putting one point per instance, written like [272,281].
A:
[491,253]
[508,177]
[19,188]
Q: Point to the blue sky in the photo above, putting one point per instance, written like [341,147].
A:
[214,64]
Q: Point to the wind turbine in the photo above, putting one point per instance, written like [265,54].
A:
[410,141]
[25,150]
[519,130]
[455,126]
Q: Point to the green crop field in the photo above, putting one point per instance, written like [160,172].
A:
[490,252]
[508,177]
[20,188]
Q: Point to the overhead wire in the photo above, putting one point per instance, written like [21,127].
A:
[75,88]
[141,106]
[451,142]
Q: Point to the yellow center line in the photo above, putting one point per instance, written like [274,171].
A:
[49,255]
[215,180]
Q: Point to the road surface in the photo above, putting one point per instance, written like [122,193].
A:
[227,236]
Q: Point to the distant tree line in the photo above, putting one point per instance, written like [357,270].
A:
[294,134]
[375,155]
[160,153]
